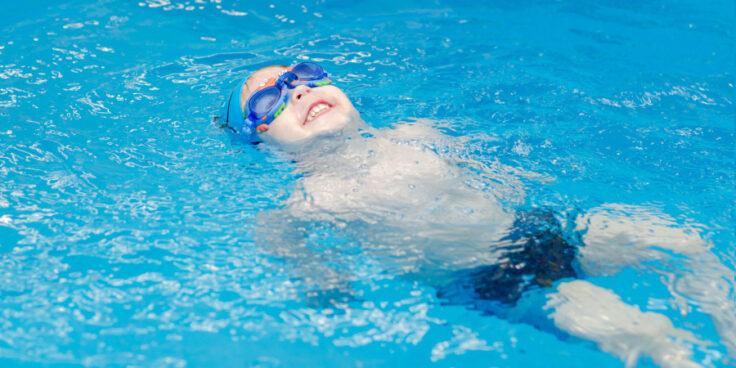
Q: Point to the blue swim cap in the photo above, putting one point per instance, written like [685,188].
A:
[235,117]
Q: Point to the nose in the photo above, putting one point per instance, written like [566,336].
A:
[300,91]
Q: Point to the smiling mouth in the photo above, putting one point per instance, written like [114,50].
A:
[317,109]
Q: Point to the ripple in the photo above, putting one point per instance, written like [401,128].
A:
[127,218]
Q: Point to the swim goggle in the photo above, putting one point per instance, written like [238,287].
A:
[269,100]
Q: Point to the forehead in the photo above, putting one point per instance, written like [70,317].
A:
[260,75]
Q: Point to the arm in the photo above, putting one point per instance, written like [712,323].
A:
[323,276]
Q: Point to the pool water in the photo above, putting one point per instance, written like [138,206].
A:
[126,214]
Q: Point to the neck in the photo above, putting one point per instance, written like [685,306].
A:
[327,144]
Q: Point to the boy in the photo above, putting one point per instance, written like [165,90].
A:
[421,214]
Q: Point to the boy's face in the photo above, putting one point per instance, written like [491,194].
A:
[309,112]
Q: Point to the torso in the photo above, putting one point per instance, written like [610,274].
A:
[404,194]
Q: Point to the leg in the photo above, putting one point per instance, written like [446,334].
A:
[622,330]
[617,236]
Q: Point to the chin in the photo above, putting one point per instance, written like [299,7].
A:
[335,122]
[328,131]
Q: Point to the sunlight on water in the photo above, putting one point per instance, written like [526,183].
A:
[135,231]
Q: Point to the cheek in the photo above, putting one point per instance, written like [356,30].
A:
[285,128]
[284,124]
[345,104]
[335,93]
[287,118]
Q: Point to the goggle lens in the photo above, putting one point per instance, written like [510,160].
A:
[264,100]
[308,71]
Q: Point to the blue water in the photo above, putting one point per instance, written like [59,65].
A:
[125,213]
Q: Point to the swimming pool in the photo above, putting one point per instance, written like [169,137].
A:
[125,213]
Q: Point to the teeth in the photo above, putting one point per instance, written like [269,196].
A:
[316,110]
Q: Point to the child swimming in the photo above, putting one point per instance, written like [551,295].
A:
[390,191]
